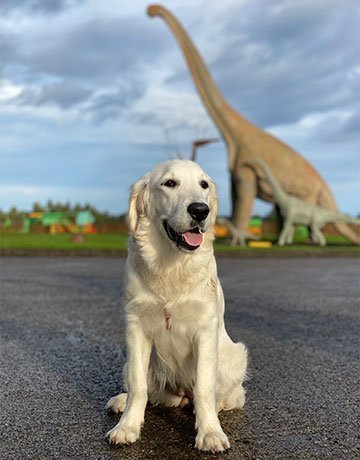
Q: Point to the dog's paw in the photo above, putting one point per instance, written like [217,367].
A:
[117,403]
[213,441]
[122,434]
[184,402]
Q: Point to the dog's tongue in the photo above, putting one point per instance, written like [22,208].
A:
[193,239]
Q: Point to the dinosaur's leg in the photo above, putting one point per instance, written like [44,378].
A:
[285,232]
[313,235]
[233,233]
[322,238]
[243,192]
[234,194]
[317,235]
[235,240]
[236,237]
[290,236]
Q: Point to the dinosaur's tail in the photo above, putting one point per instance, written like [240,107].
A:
[341,225]
[344,218]
[347,232]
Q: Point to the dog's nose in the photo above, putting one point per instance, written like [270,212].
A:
[198,211]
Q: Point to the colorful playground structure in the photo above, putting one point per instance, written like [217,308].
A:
[61,222]
[255,227]
[258,227]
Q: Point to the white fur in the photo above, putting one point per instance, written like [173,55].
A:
[178,348]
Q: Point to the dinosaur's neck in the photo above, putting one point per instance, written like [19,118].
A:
[210,94]
[278,192]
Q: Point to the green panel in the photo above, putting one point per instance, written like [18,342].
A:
[84,218]
[51,218]
[255,222]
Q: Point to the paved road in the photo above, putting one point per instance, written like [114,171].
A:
[62,349]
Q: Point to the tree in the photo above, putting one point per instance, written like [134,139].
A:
[37,207]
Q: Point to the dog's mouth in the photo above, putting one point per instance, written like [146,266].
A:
[189,240]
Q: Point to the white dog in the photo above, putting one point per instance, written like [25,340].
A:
[178,348]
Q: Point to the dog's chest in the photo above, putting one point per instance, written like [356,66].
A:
[171,318]
[170,303]
[171,329]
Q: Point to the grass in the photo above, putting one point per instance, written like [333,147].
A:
[61,241]
[119,242]
[221,247]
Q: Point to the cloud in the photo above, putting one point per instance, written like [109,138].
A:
[338,128]
[161,107]
[97,66]
[64,94]
[95,93]
[335,126]
[98,105]
[111,104]
[8,91]
[280,62]
[100,50]
[10,42]
[47,7]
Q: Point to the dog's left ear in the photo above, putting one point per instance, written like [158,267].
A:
[138,203]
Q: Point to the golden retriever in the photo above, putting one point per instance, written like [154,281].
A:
[177,347]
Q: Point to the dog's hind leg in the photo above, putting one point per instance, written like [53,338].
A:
[168,398]
[117,403]
[231,375]
[233,399]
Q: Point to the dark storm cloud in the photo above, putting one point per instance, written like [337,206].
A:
[37,6]
[283,60]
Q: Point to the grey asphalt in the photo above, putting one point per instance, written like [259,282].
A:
[62,348]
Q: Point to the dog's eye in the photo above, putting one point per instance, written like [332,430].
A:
[170,183]
[204,184]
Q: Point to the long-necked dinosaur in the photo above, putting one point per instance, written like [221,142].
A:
[245,141]
[295,211]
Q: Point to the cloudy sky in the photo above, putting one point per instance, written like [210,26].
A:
[94,93]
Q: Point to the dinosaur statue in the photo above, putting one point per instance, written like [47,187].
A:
[245,141]
[295,211]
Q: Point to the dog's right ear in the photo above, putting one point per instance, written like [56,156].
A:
[138,203]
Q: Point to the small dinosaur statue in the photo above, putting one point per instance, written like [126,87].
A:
[245,141]
[295,211]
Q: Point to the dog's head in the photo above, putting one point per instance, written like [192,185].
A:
[178,199]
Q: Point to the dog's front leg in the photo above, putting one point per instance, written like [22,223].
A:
[210,435]
[139,349]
